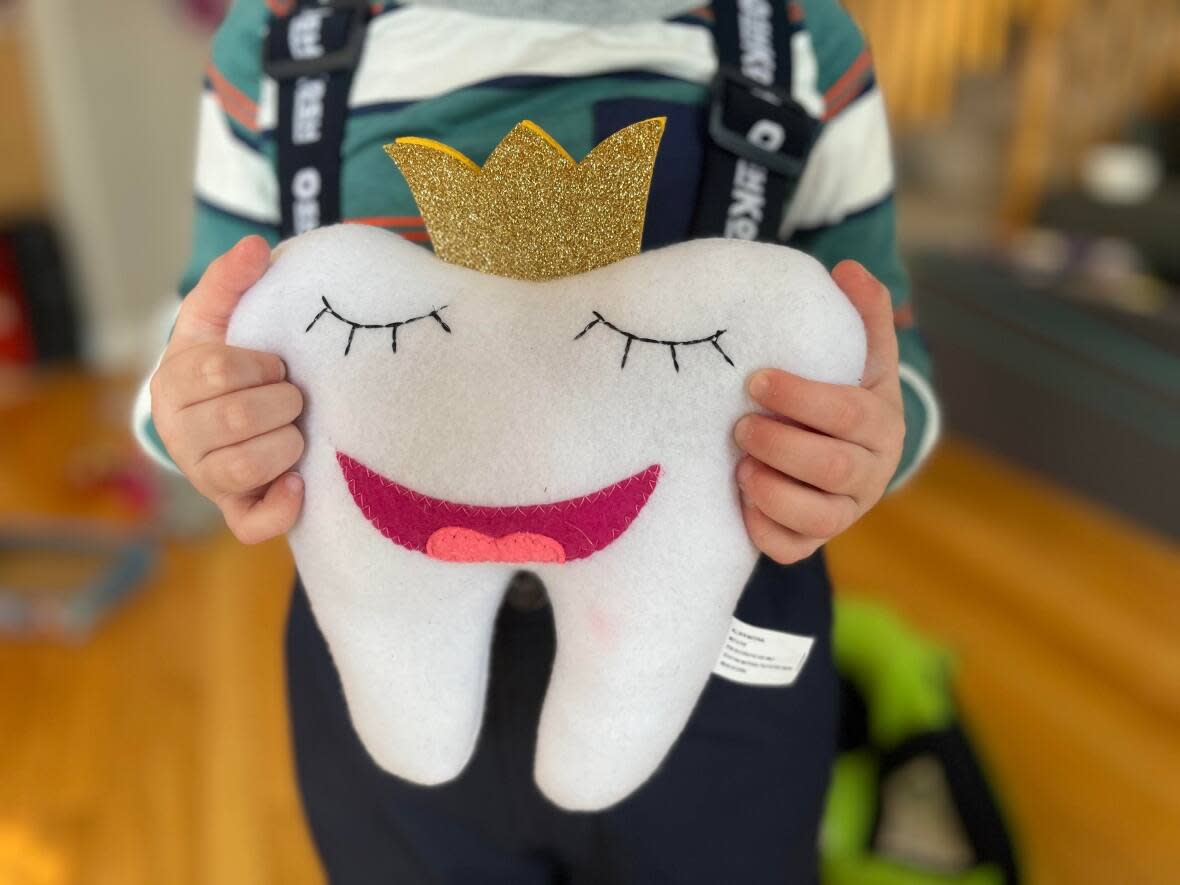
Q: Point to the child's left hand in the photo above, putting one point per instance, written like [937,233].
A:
[826,458]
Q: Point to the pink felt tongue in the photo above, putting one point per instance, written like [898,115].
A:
[457,544]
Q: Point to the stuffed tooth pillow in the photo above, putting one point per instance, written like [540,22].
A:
[534,395]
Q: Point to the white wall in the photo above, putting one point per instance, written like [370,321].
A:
[117,82]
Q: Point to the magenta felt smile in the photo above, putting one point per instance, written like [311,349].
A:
[555,532]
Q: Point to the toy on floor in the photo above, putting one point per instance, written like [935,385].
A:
[535,395]
[910,802]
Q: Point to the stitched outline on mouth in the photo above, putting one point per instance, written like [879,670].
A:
[582,525]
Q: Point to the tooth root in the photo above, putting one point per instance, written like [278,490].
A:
[634,651]
[410,637]
[414,665]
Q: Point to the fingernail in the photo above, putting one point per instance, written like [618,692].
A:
[293,483]
[859,269]
[742,431]
[746,502]
[282,370]
[759,384]
[744,471]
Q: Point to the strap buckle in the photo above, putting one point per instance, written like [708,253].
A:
[760,123]
[282,62]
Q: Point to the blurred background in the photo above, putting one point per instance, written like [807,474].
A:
[142,728]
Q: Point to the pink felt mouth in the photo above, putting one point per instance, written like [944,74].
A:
[556,532]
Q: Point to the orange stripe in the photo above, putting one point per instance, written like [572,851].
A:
[387,220]
[416,236]
[849,76]
[231,93]
[903,316]
[833,109]
[848,87]
[284,7]
[236,103]
[794,12]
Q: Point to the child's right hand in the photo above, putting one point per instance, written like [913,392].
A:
[225,413]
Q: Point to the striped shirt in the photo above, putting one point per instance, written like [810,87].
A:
[466,79]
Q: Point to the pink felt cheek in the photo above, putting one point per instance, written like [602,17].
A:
[457,544]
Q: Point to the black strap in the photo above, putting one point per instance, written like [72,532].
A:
[759,135]
[312,53]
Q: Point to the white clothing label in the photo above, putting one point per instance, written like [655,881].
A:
[757,656]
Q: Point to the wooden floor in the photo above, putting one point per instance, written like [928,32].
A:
[1066,621]
[157,752]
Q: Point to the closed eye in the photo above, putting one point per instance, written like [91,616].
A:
[328,310]
[631,337]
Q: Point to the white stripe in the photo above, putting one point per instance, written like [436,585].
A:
[805,75]
[420,53]
[230,174]
[850,168]
[932,429]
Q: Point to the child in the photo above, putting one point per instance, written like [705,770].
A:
[740,795]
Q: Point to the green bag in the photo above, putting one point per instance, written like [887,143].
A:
[909,803]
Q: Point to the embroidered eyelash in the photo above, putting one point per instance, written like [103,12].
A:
[600,320]
[393,327]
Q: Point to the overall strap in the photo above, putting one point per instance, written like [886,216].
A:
[759,134]
[312,52]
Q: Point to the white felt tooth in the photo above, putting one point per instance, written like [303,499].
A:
[510,410]
[639,627]
[410,637]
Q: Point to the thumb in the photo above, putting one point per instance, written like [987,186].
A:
[871,299]
[205,311]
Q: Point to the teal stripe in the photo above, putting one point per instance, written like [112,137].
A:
[237,46]
[915,426]
[837,40]
[473,121]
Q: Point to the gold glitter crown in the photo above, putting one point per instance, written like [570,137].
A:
[532,212]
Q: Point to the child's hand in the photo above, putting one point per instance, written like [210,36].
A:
[828,457]
[224,412]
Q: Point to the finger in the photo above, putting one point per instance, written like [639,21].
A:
[831,465]
[794,505]
[849,413]
[212,370]
[249,465]
[871,299]
[254,519]
[238,416]
[781,544]
[205,311]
